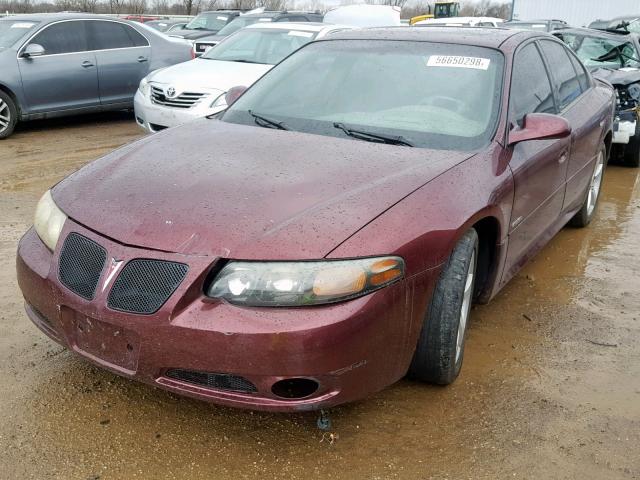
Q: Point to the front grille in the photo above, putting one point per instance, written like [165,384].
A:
[219,381]
[202,47]
[81,264]
[144,285]
[184,100]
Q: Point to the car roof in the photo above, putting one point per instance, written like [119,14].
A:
[302,26]
[52,17]
[480,36]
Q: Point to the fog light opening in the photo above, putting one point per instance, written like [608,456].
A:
[291,388]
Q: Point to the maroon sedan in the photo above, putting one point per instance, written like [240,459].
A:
[328,234]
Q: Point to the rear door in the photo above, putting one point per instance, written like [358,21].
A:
[539,166]
[123,57]
[585,112]
[65,77]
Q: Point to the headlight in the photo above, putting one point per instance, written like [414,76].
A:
[220,101]
[144,87]
[291,284]
[49,220]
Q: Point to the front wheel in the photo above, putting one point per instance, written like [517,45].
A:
[438,356]
[588,209]
[8,115]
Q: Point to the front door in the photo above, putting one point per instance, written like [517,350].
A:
[539,167]
[65,77]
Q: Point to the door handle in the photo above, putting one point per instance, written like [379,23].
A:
[563,157]
[142,59]
[87,64]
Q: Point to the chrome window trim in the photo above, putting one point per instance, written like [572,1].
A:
[44,27]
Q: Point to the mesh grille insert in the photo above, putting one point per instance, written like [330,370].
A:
[80,266]
[220,381]
[144,285]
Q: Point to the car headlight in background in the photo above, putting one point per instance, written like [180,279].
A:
[144,87]
[49,220]
[220,101]
[297,284]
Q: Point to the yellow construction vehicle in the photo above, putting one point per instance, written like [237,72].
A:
[440,10]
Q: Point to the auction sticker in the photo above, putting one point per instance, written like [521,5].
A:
[458,62]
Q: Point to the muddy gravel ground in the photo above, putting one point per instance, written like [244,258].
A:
[550,387]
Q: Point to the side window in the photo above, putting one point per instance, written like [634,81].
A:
[583,78]
[63,37]
[530,85]
[564,76]
[107,35]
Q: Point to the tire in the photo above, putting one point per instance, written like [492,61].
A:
[440,350]
[589,207]
[631,154]
[8,115]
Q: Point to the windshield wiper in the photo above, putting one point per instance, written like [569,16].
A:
[614,53]
[267,122]
[373,137]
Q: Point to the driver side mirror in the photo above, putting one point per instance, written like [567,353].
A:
[540,126]
[233,94]
[33,50]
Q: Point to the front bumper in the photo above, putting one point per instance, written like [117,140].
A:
[153,118]
[350,349]
[624,130]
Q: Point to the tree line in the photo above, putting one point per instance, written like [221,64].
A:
[485,8]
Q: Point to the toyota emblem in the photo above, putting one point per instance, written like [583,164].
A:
[171,92]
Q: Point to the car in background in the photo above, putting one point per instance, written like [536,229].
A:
[615,58]
[206,23]
[461,22]
[537,25]
[599,24]
[168,26]
[331,230]
[203,44]
[198,88]
[629,23]
[65,64]
[140,18]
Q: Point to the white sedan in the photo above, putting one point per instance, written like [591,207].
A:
[178,94]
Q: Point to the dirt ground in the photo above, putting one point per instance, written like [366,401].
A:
[550,387]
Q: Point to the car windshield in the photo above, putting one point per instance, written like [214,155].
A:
[432,95]
[241,22]
[268,46]
[13,30]
[602,52]
[208,21]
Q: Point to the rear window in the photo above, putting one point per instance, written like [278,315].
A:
[112,35]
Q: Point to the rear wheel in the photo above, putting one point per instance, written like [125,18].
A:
[8,115]
[588,210]
[631,155]
[440,350]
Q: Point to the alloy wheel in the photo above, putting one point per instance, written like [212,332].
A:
[596,183]
[465,309]
[5,115]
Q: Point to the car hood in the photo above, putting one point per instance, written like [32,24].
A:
[193,34]
[213,38]
[209,74]
[222,189]
[617,77]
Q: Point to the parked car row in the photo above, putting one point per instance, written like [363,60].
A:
[329,231]
[65,64]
